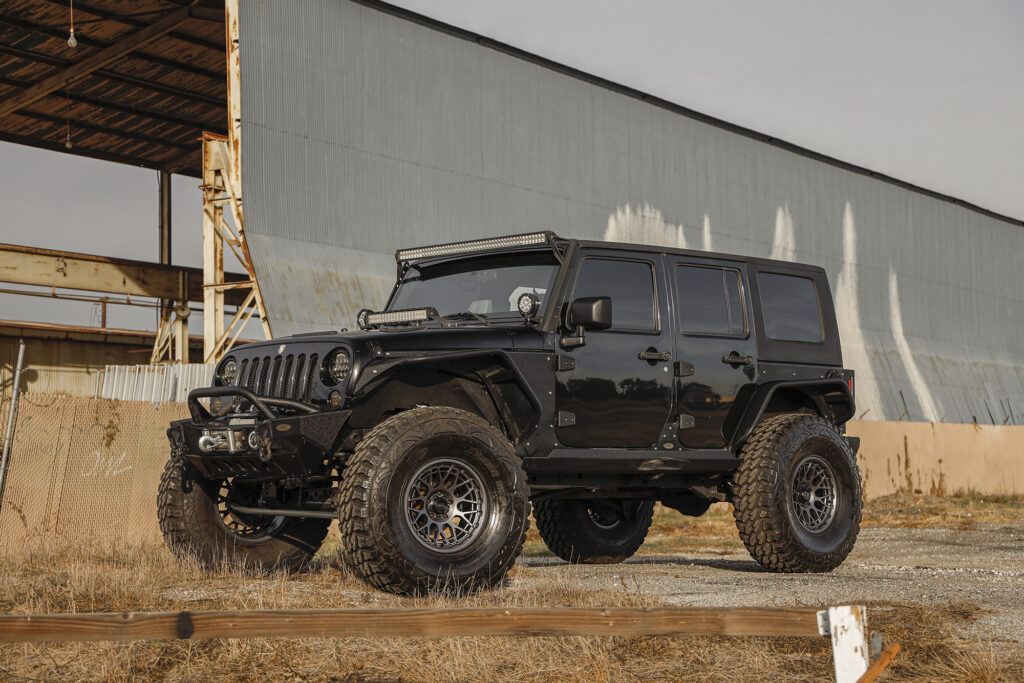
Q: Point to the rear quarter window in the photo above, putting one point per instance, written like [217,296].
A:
[790,308]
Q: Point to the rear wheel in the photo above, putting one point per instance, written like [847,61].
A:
[197,521]
[433,499]
[593,531]
[797,495]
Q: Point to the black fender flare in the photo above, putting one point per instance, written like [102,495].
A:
[374,373]
[814,389]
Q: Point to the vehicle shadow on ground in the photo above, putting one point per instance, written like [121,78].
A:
[747,566]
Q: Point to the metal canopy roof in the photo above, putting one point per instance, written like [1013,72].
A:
[147,77]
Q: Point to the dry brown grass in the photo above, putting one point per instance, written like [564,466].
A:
[672,533]
[51,575]
[715,532]
[959,511]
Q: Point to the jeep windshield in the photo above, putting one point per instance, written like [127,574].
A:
[488,286]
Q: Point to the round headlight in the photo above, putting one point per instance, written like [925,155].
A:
[337,366]
[528,304]
[228,371]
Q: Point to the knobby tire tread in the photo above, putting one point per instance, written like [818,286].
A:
[758,491]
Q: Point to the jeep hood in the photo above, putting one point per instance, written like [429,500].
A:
[417,339]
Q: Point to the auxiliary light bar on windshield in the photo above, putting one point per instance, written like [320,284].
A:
[368,319]
[457,248]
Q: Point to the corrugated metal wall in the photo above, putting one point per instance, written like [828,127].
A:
[364,131]
[155,383]
[61,366]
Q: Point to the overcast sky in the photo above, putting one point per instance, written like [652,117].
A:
[929,91]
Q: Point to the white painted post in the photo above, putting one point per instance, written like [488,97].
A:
[847,626]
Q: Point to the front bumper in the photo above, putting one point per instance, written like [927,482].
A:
[263,445]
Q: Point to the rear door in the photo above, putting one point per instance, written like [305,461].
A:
[618,392]
[714,346]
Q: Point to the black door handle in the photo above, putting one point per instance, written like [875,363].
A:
[736,359]
[655,355]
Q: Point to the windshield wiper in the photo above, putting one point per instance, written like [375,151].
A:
[469,314]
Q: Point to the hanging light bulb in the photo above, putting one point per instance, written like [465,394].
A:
[72,41]
[67,140]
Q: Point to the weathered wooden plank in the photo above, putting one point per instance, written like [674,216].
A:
[339,623]
[883,661]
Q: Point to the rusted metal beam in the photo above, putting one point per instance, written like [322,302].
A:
[95,61]
[93,273]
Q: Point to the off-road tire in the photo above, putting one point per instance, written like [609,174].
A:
[379,544]
[192,528]
[762,491]
[570,532]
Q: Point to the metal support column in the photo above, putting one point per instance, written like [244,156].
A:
[165,217]
[221,189]
[172,336]
[9,435]
[222,198]
[213,262]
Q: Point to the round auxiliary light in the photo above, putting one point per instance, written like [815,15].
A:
[334,399]
[338,365]
[528,304]
[228,371]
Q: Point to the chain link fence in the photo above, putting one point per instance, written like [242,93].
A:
[85,467]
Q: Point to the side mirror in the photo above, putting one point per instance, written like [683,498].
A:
[589,313]
[592,313]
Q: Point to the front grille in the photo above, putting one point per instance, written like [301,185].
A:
[279,376]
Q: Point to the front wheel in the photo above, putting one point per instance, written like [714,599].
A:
[433,499]
[593,531]
[797,495]
[198,522]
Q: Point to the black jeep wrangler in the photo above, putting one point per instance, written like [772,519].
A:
[587,378]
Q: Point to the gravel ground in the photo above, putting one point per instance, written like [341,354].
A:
[983,565]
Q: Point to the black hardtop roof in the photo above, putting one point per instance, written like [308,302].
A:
[695,253]
[552,241]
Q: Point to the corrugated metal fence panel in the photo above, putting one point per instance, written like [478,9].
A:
[59,366]
[155,383]
[364,131]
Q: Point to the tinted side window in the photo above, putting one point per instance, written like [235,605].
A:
[790,307]
[710,301]
[630,284]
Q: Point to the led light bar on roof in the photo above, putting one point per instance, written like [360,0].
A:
[368,318]
[456,248]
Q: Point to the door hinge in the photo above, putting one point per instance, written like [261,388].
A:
[566,419]
[687,421]
[684,369]
[563,363]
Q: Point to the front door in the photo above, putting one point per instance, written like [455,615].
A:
[714,347]
[618,391]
